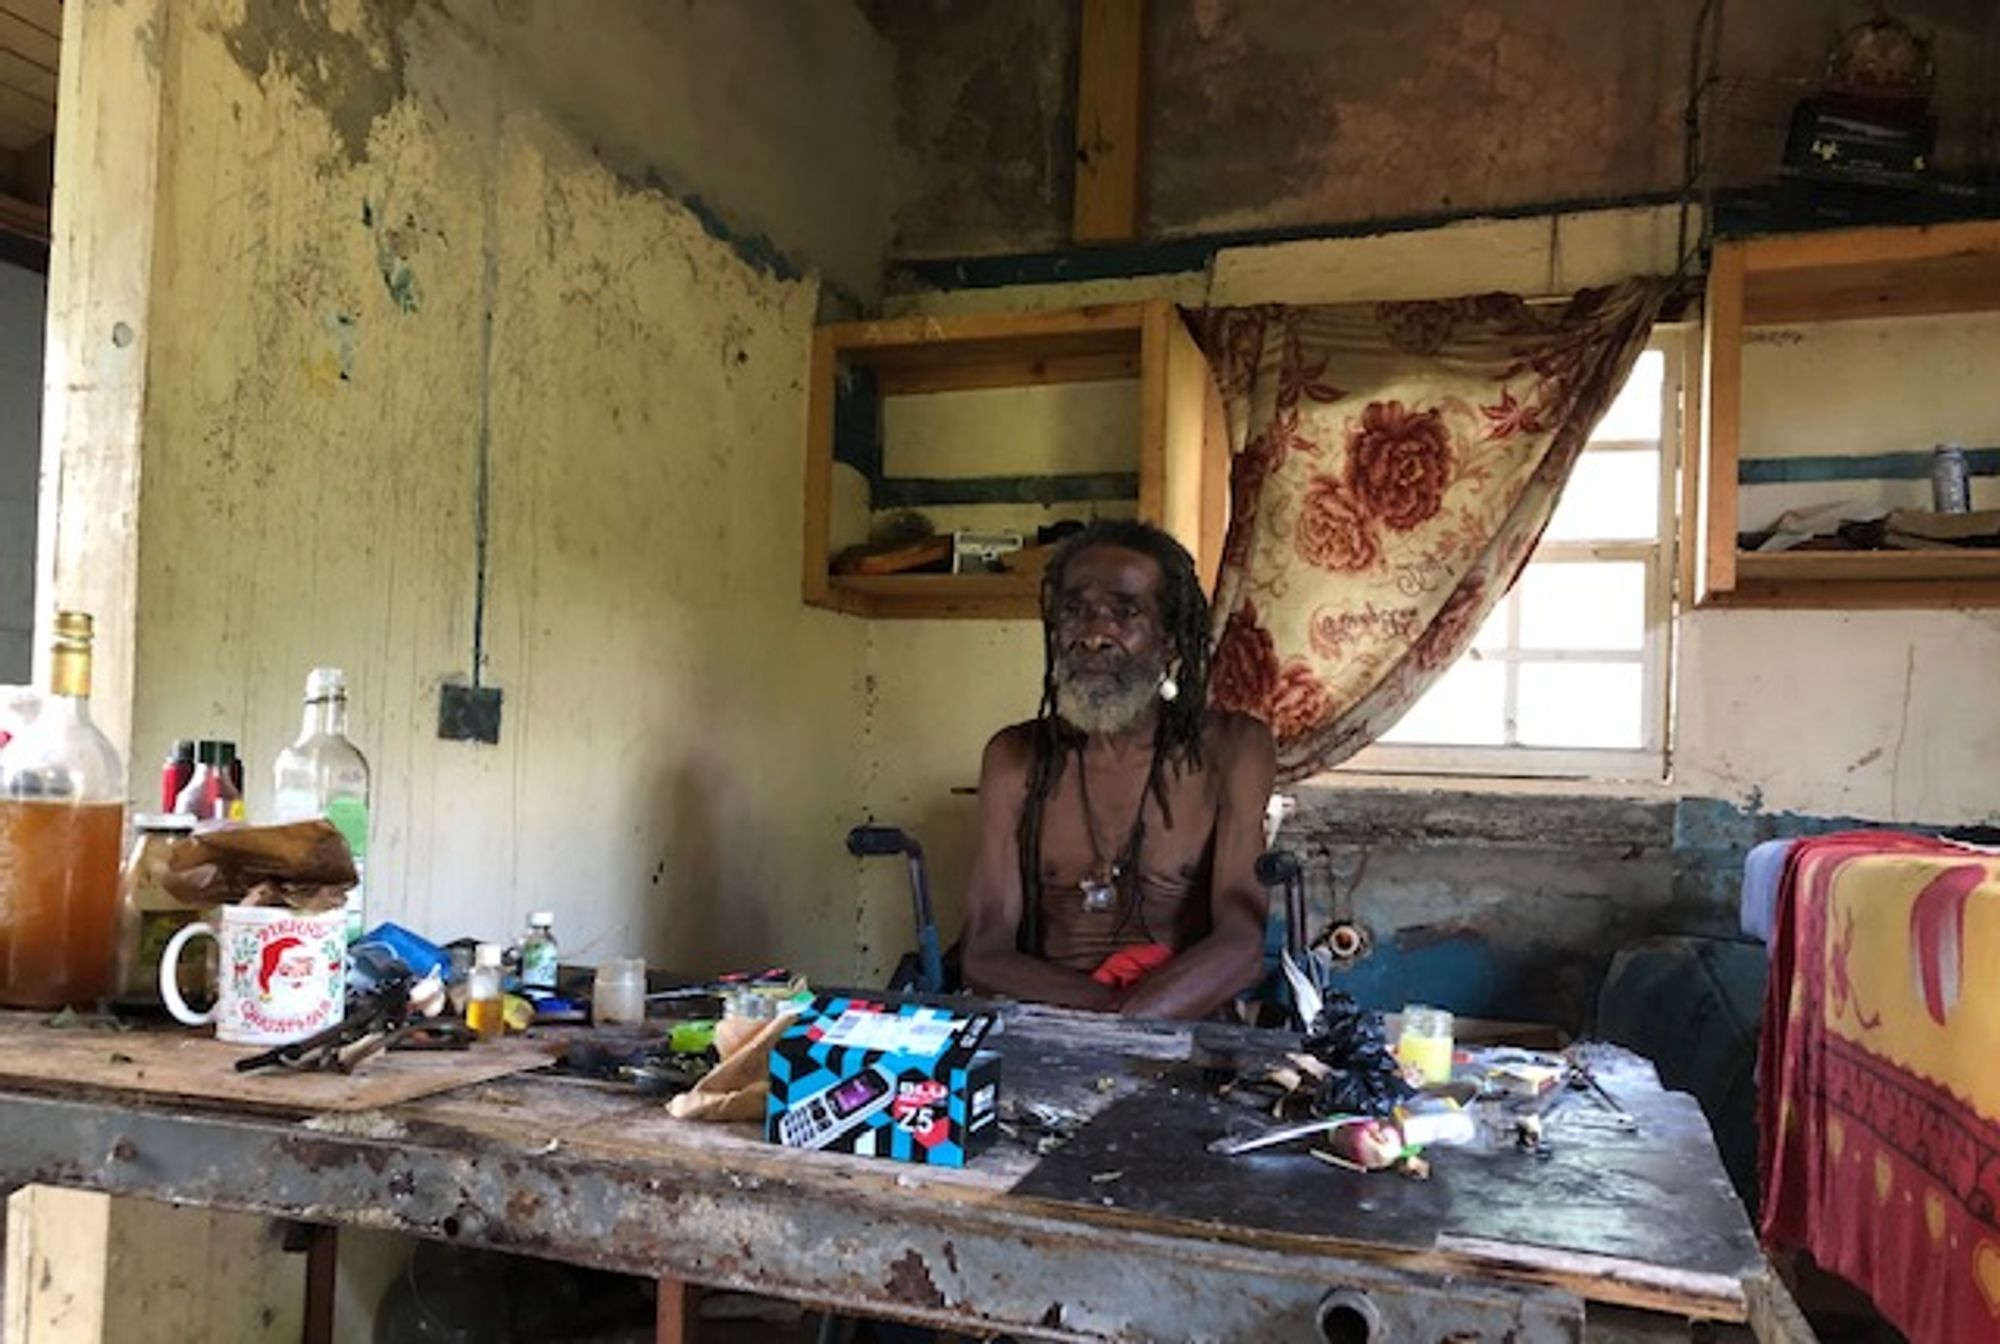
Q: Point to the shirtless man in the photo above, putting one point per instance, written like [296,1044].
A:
[1120,828]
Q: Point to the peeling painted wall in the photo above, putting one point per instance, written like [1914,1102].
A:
[1291,113]
[389,265]
[772,123]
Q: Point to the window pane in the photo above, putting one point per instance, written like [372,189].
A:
[1635,411]
[1581,705]
[1492,634]
[1611,495]
[1591,605]
[1467,706]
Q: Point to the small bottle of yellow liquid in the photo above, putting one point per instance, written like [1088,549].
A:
[485,1009]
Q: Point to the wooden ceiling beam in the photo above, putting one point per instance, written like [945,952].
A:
[24,219]
[1110,92]
[18,72]
[34,44]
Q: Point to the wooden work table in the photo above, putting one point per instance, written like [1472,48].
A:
[1128,1231]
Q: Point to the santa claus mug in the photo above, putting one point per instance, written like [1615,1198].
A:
[281,975]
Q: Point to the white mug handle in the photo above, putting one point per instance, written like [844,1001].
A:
[170,960]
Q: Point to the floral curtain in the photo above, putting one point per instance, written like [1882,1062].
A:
[1393,466]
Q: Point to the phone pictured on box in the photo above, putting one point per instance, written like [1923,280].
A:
[825,1116]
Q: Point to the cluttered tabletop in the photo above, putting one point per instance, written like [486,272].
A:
[269,1052]
[1545,1168]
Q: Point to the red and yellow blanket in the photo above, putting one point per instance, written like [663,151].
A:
[1879,1068]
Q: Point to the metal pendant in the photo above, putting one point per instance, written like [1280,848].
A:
[1100,889]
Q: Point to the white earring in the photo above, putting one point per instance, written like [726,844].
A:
[1169,688]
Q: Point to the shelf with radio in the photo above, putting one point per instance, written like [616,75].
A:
[1174,474]
[1775,292]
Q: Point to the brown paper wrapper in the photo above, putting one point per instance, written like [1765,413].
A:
[737,1088]
[304,864]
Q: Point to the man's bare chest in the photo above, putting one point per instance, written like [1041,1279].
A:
[1110,817]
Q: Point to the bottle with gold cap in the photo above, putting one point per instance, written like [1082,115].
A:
[62,816]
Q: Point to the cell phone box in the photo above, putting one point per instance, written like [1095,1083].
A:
[901,1081]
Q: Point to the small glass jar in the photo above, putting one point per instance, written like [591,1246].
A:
[148,917]
[1424,1048]
[618,995]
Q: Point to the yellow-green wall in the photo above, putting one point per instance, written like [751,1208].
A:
[377,272]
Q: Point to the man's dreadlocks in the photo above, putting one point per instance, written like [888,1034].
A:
[1177,736]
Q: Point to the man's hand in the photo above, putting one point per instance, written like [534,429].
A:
[1211,971]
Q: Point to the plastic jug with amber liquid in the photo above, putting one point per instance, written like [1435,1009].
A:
[62,818]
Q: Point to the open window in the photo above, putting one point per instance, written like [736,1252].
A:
[1569,674]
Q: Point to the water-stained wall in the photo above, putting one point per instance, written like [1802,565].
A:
[1282,114]
[453,373]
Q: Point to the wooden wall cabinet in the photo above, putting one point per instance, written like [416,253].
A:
[1182,454]
[1829,277]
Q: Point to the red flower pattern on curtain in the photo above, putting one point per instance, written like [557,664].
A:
[1394,465]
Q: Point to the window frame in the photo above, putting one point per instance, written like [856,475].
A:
[1652,760]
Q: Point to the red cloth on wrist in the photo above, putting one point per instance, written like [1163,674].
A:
[1128,965]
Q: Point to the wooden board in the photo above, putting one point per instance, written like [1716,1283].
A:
[1646,1220]
[186,1066]
[1110,94]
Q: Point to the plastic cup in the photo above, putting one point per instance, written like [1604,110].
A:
[618,995]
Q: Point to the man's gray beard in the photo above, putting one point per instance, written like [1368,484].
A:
[1107,704]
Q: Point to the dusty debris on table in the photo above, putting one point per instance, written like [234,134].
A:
[1038,1125]
[1316,1069]
[119,1057]
[358,1125]
[70,1017]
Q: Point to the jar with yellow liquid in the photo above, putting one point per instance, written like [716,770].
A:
[1424,1048]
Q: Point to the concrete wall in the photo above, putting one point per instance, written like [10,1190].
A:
[23,294]
[1286,113]
[390,265]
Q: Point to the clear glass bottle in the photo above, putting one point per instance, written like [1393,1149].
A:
[325,775]
[211,793]
[62,818]
[485,1008]
[148,917]
[539,952]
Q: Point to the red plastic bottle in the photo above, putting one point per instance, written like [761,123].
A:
[211,794]
[175,772]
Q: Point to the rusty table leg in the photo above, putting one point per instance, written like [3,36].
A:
[678,1311]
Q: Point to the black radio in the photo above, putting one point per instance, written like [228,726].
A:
[1842,140]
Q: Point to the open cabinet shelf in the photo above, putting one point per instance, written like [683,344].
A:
[1815,278]
[1180,455]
